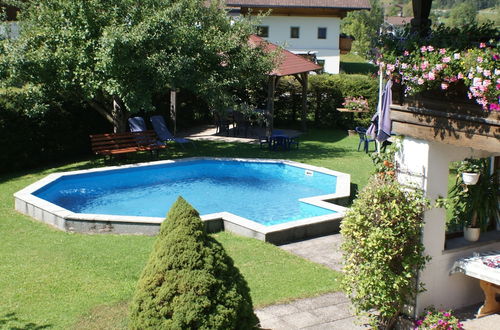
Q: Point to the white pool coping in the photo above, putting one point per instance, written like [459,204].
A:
[42,210]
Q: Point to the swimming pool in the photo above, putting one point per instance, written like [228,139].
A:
[260,194]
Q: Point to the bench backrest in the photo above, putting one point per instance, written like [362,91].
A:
[112,141]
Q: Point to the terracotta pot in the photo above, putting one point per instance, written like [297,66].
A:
[470,178]
[471,234]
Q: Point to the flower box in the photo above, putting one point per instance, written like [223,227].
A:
[345,43]
[446,116]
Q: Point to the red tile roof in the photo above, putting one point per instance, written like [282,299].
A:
[333,4]
[289,63]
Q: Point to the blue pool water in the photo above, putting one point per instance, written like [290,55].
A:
[266,193]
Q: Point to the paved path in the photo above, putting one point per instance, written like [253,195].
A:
[329,311]
[333,310]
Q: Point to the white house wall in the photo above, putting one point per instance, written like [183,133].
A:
[426,164]
[327,49]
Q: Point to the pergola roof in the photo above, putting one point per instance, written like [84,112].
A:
[330,4]
[289,63]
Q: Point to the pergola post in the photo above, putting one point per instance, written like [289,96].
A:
[270,104]
[303,114]
[173,108]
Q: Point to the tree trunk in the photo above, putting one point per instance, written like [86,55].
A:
[120,116]
[117,116]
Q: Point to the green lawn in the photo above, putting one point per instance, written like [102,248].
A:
[352,63]
[60,280]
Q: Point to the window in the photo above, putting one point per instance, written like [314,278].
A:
[321,33]
[263,31]
[294,32]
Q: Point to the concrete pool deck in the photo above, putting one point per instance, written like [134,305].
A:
[27,203]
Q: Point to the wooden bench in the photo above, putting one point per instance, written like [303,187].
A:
[122,143]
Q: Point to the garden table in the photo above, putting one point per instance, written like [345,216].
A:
[484,266]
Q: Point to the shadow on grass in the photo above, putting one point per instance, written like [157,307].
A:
[12,322]
[313,145]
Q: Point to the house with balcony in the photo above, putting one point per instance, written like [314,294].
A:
[305,27]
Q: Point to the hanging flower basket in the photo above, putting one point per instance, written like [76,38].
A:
[470,178]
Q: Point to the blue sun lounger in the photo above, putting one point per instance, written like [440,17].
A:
[164,134]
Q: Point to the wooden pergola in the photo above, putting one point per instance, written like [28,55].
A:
[288,64]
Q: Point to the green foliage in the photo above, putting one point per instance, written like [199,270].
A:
[118,55]
[473,205]
[328,92]
[438,320]
[46,133]
[463,14]
[383,249]
[363,25]
[189,281]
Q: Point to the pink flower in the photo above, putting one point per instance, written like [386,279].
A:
[446,59]
[423,49]
[487,73]
[390,67]
[406,53]
[442,51]
[482,45]
[444,86]
[424,65]
[486,82]
[439,67]
[479,59]
[430,48]
[470,75]
[456,56]
[479,69]
[496,57]
[404,65]
[469,95]
[497,72]
[460,75]
[420,81]
[446,314]
[432,76]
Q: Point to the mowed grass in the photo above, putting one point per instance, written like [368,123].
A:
[355,64]
[60,280]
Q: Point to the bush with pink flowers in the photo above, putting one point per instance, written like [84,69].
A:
[438,68]
[439,320]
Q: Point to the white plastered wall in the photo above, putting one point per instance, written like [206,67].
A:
[426,164]
[327,49]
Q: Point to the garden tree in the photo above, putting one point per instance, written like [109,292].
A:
[189,281]
[463,14]
[116,55]
[382,248]
[364,26]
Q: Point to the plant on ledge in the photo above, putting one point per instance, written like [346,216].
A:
[438,63]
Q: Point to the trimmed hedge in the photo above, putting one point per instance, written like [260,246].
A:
[326,94]
[44,134]
[189,281]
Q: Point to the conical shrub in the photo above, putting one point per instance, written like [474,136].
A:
[189,281]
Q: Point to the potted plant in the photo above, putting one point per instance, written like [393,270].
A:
[470,170]
[474,206]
